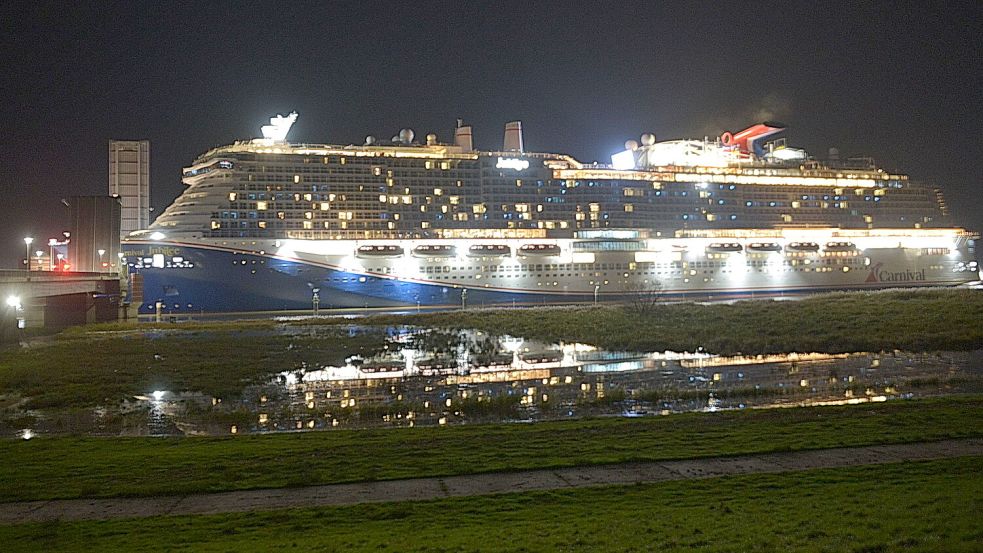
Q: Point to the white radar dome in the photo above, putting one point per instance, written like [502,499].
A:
[406,136]
[648,139]
[631,145]
[369,140]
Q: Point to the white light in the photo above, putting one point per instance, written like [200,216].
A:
[157,236]
[28,240]
[688,153]
[158,395]
[27,434]
[786,154]
[279,127]
[101,252]
[512,163]
[13,301]
[623,160]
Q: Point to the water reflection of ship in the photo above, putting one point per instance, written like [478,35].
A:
[502,361]
[436,367]
[374,367]
[542,357]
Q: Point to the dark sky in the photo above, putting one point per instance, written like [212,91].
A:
[897,81]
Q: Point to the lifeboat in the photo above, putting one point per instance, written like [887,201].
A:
[379,251]
[725,247]
[539,249]
[435,250]
[764,247]
[840,247]
[489,250]
[802,247]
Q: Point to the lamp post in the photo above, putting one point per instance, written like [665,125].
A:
[101,253]
[27,244]
[38,254]
[52,242]
[597,288]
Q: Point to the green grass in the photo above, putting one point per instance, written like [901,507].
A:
[93,367]
[100,365]
[68,467]
[911,320]
[910,507]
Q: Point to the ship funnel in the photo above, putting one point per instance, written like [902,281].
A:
[513,137]
[462,136]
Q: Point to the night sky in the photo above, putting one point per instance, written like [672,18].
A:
[900,82]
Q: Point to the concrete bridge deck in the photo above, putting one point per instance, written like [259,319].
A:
[56,298]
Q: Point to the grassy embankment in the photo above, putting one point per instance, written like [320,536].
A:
[925,506]
[88,367]
[102,364]
[911,320]
[47,468]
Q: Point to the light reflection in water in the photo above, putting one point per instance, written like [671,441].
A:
[433,377]
[438,377]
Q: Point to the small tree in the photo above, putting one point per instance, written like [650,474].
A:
[641,297]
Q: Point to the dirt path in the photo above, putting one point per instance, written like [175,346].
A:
[480,484]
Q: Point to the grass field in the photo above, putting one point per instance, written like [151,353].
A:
[68,467]
[911,507]
[91,367]
[101,365]
[911,320]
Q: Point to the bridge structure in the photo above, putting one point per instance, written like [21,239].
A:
[56,299]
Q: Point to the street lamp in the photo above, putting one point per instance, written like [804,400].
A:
[597,288]
[38,254]
[52,242]
[27,244]
[101,253]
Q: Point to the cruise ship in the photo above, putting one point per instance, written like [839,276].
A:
[266,224]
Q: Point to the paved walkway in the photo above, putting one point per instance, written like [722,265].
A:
[480,484]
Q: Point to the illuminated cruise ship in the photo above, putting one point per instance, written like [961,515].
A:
[266,224]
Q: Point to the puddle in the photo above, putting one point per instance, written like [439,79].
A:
[437,377]
[432,377]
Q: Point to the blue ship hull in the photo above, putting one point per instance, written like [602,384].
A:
[222,281]
[214,280]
